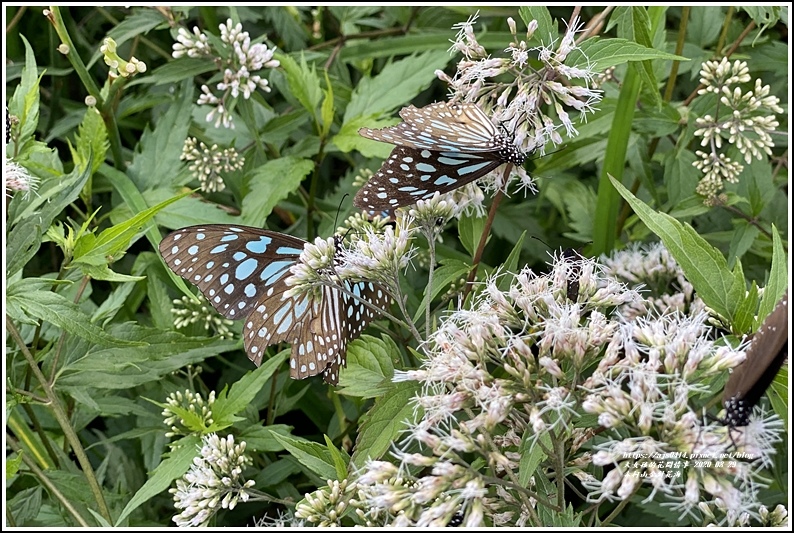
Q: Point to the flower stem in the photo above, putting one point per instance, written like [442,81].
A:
[431,247]
[63,421]
[45,481]
[486,231]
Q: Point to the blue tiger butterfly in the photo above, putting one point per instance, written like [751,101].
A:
[243,273]
[440,147]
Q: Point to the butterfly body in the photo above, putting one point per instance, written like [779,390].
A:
[440,147]
[244,273]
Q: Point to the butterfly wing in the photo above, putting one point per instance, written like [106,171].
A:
[344,318]
[234,267]
[764,357]
[242,271]
[411,174]
[442,126]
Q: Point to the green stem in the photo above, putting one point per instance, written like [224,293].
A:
[679,48]
[725,27]
[80,69]
[63,421]
[77,63]
[486,231]
[45,481]
[62,338]
[559,451]
[431,246]
[43,435]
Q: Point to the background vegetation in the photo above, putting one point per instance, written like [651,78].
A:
[92,351]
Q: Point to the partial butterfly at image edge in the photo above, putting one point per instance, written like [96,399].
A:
[242,271]
[749,381]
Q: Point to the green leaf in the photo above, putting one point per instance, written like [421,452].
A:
[174,466]
[91,143]
[449,272]
[607,203]
[31,217]
[703,265]
[158,161]
[778,278]
[184,68]
[642,34]
[743,238]
[598,54]
[135,201]
[746,310]
[96,250]
[312,455]
[511,263]
[327,110]
[532,454]
[273,182]
[55,309]
[12,465]
[304,84]
[262,438]
[189,211]
[430,40]
[396,85]
[104,273]
[547,26]
[243,391]
[127,367]
[138,23]
[369,367]
[381,426]
[25,102]
[340,461]
[470,230]
[348,138]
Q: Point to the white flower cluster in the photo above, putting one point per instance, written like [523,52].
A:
[207,164]
[192,402]
[17,178]
[191,311]
[652,270]
[514,93]
[213,482]
[510,374]
[238,61]
[745,119]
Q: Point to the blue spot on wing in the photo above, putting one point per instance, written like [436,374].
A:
[246,268]
[274,271]
[259,246]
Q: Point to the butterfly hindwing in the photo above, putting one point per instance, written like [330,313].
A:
[355,317]
[410,174]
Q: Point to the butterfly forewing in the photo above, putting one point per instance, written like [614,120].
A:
[442,126]
[234,267]
[243,273]
[409,175]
